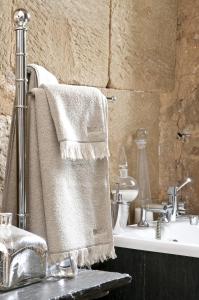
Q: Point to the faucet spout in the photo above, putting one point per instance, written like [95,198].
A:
[173,199]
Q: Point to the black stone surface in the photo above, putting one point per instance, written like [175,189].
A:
[89,284]
[155,276]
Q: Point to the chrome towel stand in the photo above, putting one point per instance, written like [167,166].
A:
[21,18]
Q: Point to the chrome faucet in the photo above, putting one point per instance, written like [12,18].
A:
[173,197]
[165,211]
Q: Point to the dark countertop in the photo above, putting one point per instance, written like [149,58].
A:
[89,284]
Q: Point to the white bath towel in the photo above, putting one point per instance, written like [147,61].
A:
[37,76]
[68,199]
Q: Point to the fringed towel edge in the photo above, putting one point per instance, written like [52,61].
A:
[85,256]
[75,150]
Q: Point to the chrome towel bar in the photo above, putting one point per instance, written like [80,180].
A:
[21,18]
[109,98]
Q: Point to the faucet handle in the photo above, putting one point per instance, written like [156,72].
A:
[188,179]
[172,190]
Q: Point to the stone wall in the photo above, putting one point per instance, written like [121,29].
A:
[124,47]
[143,45]
[180,110]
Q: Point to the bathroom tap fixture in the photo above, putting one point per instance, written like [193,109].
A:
[164,210]
[173,207]
[173,197]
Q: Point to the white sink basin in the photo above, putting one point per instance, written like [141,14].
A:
[178,237]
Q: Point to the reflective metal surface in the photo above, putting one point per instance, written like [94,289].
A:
[173,197]
[193,219]
[119,211]
[164,210]
[21,18]
[89,284]
[23,255]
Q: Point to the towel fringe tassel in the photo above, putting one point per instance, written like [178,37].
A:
[86,256]
[75,150]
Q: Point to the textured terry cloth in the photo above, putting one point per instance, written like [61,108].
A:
[75,195]
[68,200]
[37,76]
[80,118]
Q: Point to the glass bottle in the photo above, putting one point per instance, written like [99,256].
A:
[127,185]
[23,255]
[124,191]
[142,169]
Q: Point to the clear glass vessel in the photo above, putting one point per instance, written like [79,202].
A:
[124,191]
[142,168]
[127,185]
[23,255]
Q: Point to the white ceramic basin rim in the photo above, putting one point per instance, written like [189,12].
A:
[178,237]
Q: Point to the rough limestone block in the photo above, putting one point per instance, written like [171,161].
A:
[5,122]
[178,159]
[179,111]
[167,140]
[189,93]
[188,81]
[6,74]
[70,38]
[143,44]
[5,34]
[187,43]
[188,8]
[7,92]
[131,111]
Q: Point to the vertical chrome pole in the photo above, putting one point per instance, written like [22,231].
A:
[21,18]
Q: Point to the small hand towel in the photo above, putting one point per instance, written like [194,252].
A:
[80,118]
